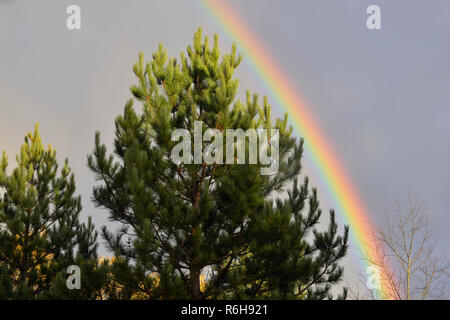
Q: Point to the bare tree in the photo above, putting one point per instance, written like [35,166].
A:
[405,255]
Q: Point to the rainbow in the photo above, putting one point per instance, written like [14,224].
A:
[325,159]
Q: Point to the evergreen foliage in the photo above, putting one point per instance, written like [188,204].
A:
[202,231]
[40,231]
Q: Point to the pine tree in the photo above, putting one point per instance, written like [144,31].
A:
[200,231]
[40,231]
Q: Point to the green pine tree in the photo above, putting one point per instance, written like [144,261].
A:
[201,231]
[40,231]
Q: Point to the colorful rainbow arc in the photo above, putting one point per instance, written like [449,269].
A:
[327,162]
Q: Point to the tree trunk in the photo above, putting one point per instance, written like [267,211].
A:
[195,284]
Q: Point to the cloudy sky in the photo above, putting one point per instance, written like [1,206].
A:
[381,97]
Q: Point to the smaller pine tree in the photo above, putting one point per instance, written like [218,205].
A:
[40,231]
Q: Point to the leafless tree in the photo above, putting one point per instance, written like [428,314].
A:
[405,255]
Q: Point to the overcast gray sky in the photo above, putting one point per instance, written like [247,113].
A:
[381,97]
